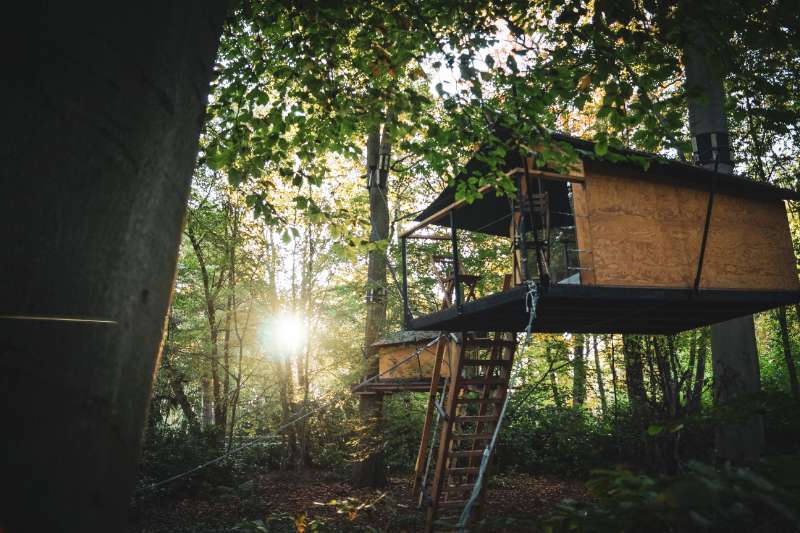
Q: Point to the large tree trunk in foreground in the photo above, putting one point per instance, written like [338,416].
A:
[103,109]
[734,356]
[370,470]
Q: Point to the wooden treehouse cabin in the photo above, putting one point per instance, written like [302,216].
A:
[616,248]
[606,247]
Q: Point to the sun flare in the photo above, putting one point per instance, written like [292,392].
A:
[289,332]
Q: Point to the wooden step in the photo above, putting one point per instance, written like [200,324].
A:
[491,381]
[476,418]
[462,470]
[486,362]
[489,343]
[480,400]
[454,503]
[461,487]
[466,453]
[468,436]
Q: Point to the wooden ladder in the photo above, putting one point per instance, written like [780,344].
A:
[479,372]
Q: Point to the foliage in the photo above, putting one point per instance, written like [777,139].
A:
[703,498]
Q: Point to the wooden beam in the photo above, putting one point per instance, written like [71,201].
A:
[425,440]
[455,205]
[429,237]
[440,214]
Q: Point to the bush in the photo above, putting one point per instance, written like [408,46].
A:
[764,498]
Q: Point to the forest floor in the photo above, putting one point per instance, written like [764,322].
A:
[297,501]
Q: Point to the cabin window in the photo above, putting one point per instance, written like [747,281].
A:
[550,237]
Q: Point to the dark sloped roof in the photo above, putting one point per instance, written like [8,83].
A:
[406,337]
[484,215]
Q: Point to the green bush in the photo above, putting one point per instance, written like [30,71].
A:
[762,498]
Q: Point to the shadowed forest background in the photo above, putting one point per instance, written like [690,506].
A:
[267,320]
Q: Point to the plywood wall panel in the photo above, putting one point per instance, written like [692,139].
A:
[583,234]
[648,233]
[421,369]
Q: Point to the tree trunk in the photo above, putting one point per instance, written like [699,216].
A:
[578,372]
[601,389]
[208,399]
[613,360]
[634,374]
[553,382]
[212,400]
[102,118]
[787,352]
[695,402]
[733,344]
[370,471]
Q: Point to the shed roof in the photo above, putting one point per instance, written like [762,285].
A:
[485,215]
[406,337]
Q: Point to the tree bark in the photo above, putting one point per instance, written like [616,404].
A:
[634,374]
[553,382]
[787,352]
[371,471]
[578,372]
[599,372]
[695,401]
[102,118]
[613,361]
[212,400]
[734,354]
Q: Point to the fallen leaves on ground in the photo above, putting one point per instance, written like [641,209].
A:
[310,495]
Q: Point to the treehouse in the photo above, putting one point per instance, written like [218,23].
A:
[405,362]
[612,247]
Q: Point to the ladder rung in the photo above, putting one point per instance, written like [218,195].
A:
[479,400]
[489,343]
[466,453]
[461,487]
[454,503]
[491,381]
[476,418]
[463,470]
[475,436]
[486,362]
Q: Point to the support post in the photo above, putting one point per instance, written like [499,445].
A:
[406,307]
[456,265]
[426,433]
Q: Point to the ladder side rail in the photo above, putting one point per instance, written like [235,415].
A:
[426,436]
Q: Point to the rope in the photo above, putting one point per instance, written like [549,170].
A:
[282,427]
[531,301]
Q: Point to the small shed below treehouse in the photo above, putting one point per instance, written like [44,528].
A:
[617,247]
[398,372]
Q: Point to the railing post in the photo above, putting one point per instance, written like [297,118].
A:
[406,306]
[456,267]
[523,249]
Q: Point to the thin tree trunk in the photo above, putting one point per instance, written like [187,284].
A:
[634,374]
[578,372]
[599,372]
[101,121]
[695,401]
[787,352]
[211,288]
[553,382]
[614,376]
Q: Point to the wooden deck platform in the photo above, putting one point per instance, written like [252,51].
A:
[603,309]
